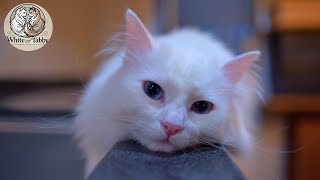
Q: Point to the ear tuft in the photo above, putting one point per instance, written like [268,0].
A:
[138,37]
[236,68]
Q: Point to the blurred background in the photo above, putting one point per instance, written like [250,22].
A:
[39,89]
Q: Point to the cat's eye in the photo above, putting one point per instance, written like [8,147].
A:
[202,107]
[153,90]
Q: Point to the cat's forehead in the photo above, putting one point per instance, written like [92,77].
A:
[182,72]
[188,64]
[192,51]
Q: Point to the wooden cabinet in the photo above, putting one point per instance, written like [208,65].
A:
[305,139]
[302,114]
[291,31]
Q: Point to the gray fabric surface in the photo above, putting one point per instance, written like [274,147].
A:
[129,160]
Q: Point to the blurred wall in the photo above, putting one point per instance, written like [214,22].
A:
[80,30]
[228,20]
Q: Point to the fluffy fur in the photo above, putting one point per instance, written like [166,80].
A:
[18,22]
[190,66]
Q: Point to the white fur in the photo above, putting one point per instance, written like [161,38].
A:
[188,65]
[18,22]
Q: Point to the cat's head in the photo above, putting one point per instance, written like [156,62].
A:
[175,95]
[22,12]
[33,11]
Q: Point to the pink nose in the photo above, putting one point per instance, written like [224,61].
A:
[171,129]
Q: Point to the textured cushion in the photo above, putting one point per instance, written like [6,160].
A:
[129,160]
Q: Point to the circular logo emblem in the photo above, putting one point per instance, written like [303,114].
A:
[28,27]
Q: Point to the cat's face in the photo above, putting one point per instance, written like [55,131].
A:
[172,94]
[33,11]
[173,104]
[22,12]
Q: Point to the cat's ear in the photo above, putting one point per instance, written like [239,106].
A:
[138,39]
[236,68]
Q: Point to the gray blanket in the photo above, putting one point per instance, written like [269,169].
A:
[129,160]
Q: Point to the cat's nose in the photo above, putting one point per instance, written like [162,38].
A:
[170,128]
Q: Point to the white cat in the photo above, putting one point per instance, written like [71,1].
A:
[19,21]
[168,92]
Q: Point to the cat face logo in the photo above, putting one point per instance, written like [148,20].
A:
[27,22]
[28,27]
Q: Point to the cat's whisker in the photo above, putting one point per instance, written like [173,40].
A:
[79,73]
[280,151]
[213,145]
[212,142]
[193,147]
[51,126]
[42,122]
[218,142]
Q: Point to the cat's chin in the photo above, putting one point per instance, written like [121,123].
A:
[160,145]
